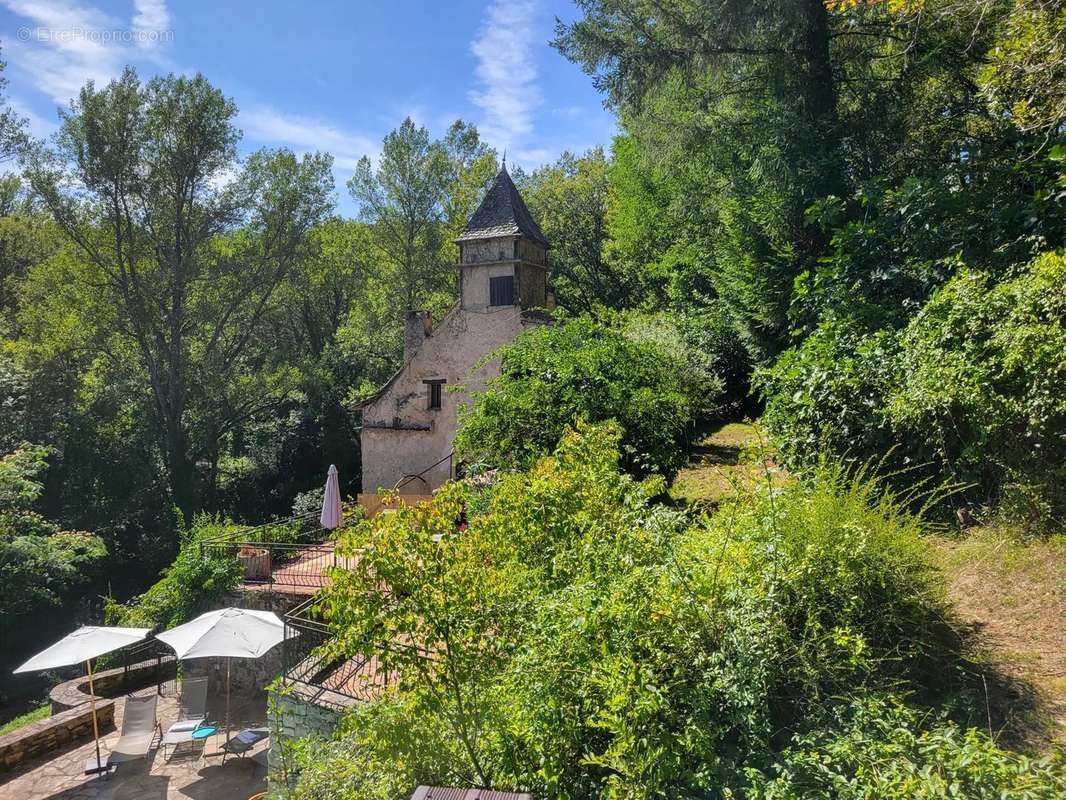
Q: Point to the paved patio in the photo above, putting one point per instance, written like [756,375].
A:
[189,775]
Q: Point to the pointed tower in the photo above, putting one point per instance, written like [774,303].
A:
[409,424]
[503,253]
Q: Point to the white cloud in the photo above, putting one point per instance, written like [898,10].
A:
[507,72]
[61,45]
[36,124]
[271,127]
[151,20]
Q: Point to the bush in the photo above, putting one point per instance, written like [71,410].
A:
[878,749]
[983,374]
[828,395]
[45,571]
[635,370]
[713,334]
[575,640]
[188,586]
[971,391]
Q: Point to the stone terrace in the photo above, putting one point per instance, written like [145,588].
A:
[188,775]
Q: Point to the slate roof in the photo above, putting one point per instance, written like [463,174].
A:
[502,213]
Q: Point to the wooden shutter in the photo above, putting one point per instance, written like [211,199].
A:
[501,291]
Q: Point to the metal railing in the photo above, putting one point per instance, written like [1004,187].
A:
[152,656]
[291,555]
[335,682]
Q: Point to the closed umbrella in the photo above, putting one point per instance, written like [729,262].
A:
[332,516]
[85,644]
[226,633]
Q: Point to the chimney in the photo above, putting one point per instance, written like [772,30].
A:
[417,326]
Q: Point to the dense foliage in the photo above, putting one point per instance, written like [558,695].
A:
[195,580]
[638,371]
[576,640]
[44,570]
[969,392]
[857,207]
[185,328]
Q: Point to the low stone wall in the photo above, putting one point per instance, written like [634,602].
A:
[109,683]
[300,717]
[57,732]
[71,722]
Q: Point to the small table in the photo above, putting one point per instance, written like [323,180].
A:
[200,735]
[204,732]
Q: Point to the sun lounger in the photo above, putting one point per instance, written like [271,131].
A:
[243,741]
[139,726]
[192,714]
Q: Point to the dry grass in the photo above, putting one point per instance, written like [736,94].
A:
[1012,591]
[722,461]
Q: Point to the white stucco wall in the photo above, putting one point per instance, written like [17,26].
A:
[457,343]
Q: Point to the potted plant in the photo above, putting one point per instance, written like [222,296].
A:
[254,561]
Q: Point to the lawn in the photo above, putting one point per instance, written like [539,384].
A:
[1011,589]
[25,719]
[722,461]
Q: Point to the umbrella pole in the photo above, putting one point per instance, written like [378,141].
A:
[228,659]
[92,705]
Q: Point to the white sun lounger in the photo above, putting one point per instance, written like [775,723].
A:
[192,714]
[139,727]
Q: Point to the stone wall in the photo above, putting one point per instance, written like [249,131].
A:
[68,728]
[71,722]
[453,353]
[110,683]
[296,716]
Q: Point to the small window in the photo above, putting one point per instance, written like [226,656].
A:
[434,394]
[501,291]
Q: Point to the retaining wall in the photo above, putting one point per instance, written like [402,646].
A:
[71,722]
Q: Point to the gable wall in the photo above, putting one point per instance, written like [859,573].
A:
[460,340]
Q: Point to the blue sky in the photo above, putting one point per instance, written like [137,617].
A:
[329,76]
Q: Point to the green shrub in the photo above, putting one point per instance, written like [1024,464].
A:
[983,370]
[878,749]
[971,391]
[45,571]
[828,395]
[189,586]
[636,370]
[576,640]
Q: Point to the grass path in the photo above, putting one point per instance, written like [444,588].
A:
[1012,591]
[714,469]
[1009,589]
[25,719]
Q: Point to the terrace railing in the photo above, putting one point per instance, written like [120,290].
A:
[332,682]
[149,657]
[291,555]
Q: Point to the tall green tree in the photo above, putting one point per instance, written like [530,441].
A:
[746,121]
[185,244]
[416,200]
[569,200]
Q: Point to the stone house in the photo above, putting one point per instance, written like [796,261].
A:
[409,424]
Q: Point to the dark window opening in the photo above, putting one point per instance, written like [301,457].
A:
[501,291]
[434,394]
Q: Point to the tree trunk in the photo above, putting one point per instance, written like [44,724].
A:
[820,99]
[181,472]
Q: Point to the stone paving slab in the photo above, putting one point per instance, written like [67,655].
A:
[189,775]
